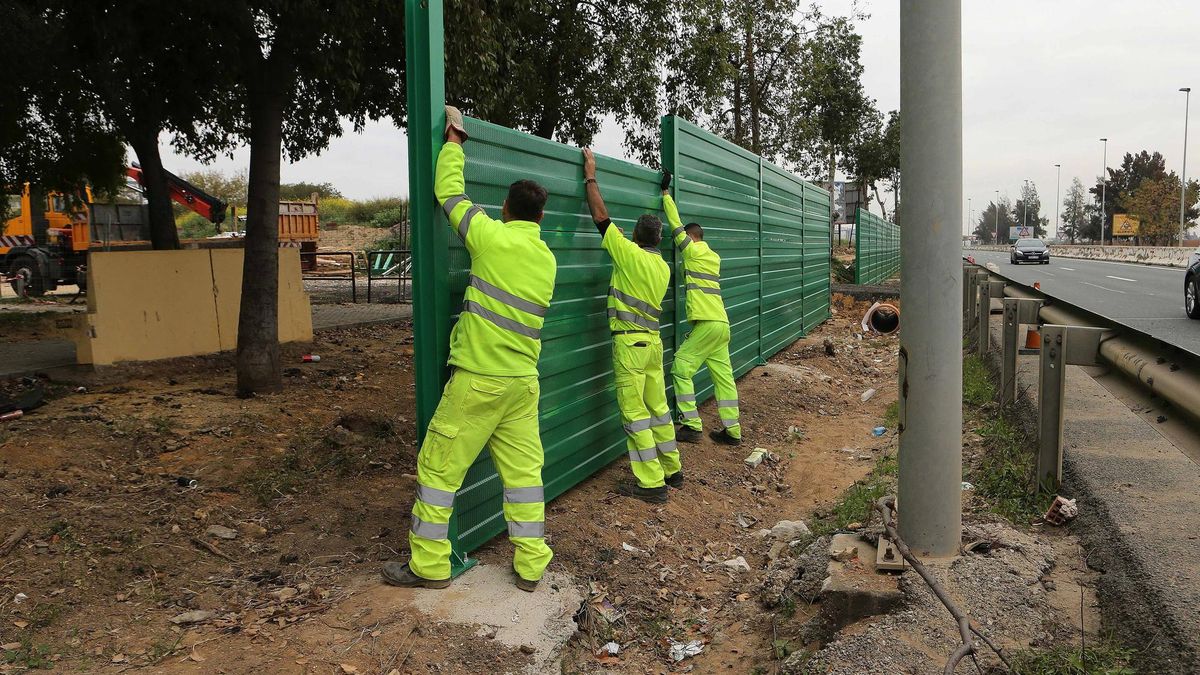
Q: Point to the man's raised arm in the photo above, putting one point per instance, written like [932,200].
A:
[450,186]
[677,232]
[592,190]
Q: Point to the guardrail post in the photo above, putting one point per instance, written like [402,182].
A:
[985,314]
[1017,312]
[1052,380]
[968,274]
[1062,346]
[972,303]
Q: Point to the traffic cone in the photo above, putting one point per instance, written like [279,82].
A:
[1033,338]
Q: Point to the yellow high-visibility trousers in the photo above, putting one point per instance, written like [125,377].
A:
[642,397]
[708,344]
[478,410]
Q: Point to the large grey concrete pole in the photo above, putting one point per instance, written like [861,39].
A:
[930,503]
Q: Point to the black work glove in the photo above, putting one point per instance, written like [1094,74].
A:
[666,179]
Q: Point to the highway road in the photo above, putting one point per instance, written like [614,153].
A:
[1144,297]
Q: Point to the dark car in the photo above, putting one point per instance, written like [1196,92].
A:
[1191,287]
[1029,250]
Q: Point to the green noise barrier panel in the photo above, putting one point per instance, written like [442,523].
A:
[770,228]
[876,248]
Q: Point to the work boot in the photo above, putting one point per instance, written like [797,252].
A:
[675,480]
[656,495]
[525,584]
[400,574]
[687,434]
[724,437]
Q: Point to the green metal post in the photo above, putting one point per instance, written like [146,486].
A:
[426,84]
[762,289]
[668,132]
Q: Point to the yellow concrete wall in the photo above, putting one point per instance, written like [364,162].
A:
[145,305]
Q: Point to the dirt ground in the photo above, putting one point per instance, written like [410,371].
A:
[175,528]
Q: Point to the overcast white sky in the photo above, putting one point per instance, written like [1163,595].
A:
[1042,83]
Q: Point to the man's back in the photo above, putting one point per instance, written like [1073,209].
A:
[640,275]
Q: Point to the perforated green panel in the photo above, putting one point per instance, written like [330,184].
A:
[876,248]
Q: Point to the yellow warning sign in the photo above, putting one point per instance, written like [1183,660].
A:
[1125,225]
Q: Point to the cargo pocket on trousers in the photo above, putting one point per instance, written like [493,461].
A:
[439,439]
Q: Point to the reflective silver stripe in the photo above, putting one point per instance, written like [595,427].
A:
[525,495]
[514,301]
[685,398]
[472,307]
[453,202]
[701,275]
[683,243]
[727,404]
[637,425]
[429,530]
[690,414]
[614,313]
[655,251]
[711,291]
[643,455]
[434,496]
[662,419]
[731,422]
[465,223]
[675,232]
[518,528]
[666,446]
[634,302]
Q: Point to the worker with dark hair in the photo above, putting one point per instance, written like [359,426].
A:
[640,279]
[708,342]
[492,396]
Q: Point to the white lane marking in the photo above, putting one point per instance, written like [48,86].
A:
[1120,278]
[1052,274]
[1113,290]
[1072,269]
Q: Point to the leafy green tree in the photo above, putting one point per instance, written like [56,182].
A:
[1156,204]
[146,65]
[994,223]
[50,136]
[294,70]
[229,188]
[874,156]
[557,68]
[301,191]
[1027,211]
[1075,216]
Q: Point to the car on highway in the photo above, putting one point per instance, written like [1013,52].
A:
[1191,287]
[1029,250]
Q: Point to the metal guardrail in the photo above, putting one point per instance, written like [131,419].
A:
[308,263]
[1070,336]
[391,264]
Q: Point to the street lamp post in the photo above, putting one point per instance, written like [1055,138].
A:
[1057,203]
[1103,185]
[997,216]
[970,212]
[1187,95]
[1025,206]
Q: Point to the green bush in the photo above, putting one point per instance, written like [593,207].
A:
[335,210]
[195,226]
[364,211]
[390,217]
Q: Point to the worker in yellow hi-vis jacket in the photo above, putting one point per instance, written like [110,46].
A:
[640,279]
[492,395]
[708,342]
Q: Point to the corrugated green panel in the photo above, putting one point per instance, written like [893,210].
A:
[716,185]
[771,230]
[876,248]
[580,422]
[783,258]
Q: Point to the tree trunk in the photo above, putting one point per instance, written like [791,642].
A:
[163,234]
[258,360]
[752,88]
[832,173]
